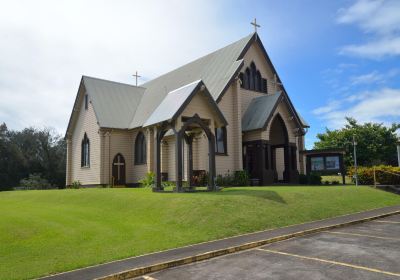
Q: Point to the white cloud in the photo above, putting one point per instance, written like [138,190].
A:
[47,45]
[372,106]
[370,78]
[375,49]
[379,18]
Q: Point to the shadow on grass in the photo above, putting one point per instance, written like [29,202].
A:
[266,194]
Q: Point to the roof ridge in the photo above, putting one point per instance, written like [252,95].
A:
[114,82]
[248,37]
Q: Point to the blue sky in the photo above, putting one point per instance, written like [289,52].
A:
[336,58]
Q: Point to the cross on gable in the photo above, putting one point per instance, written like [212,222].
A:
[136,75]
[255,25]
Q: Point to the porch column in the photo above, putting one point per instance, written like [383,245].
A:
[157,158]
[178,160]
[211,162]
[189,141]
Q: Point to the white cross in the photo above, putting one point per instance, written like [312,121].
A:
[119,164]
[255,25]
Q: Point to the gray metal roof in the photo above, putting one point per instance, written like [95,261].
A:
[171,104]
[259,111]
[215,70]
[303,121]
[124,106]
[114,103]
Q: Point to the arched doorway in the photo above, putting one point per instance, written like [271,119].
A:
[279,141]
[283,153]
[118,170]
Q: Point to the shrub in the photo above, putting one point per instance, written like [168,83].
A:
[385,175]
[303,179]
[200,178]
[35,182]
[241,178]
[314,179]
[149,180]
[76,185]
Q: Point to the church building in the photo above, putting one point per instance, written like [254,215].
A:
[224,112]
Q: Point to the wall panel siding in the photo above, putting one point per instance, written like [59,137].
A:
[226,163]
[280,162]
[86,122]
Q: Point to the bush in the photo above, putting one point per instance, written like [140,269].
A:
[303,179]
[35,182]
[76,185]
[200,178]
[239,178]
[149,180]
[312,179]
[385,175]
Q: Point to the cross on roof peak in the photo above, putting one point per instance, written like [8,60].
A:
[136,75]
[255,25]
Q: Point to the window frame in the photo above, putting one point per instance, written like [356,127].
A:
[224,141]
[85,152]
[140,155]
[86,102]
[253,80]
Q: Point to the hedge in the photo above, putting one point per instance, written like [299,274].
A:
[385,175]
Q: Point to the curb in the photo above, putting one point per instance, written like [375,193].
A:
[140,271]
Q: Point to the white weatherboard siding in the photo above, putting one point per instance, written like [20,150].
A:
[110,140]
[226,163]
[280,162]
[86,122]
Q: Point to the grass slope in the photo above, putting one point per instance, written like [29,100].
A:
[43,232]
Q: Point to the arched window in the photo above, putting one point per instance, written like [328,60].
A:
[252,76]
[220,140]
[257,81]
[140,149]
[246,81]
[85,152]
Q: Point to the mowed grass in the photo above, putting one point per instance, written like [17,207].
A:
[43,232]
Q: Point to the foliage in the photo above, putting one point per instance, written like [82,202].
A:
[385,175]
[303,179]
[148,180]
[50,227]
[31,151]
[35,182]
[200,178]
[76,185]
[312,179]
[376,143]
[239,178]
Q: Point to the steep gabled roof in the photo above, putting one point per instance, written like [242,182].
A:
[114,103]
[124,106]
[216,70]
[176,101]
[260,111]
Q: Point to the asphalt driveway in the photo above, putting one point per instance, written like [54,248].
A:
[364,251]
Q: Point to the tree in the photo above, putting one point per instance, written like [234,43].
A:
[376,143]
[31,151]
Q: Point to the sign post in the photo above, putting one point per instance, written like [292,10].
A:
[355,159]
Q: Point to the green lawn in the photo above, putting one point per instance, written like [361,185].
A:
[43,232]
